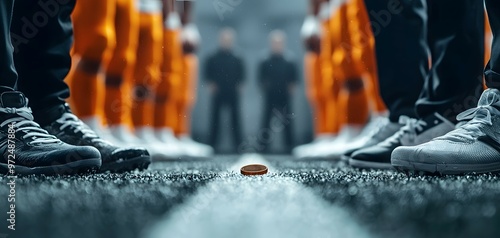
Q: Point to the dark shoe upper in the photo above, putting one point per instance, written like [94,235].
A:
[72,130]
[27,143]
[378,135]
[415,132]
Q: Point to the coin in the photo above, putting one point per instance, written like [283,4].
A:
[254,169]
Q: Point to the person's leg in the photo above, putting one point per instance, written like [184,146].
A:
[45,33]
[8,75]
[401,51]
[215,120]
[147,69]
[93,22]
[352,98]
[492,72]
[119,72]
[234,104]
[366,53]
[188,93]
[263,135]
[456,42]
[46,60]
[288,128]
[171,74]
[412,66]
[32,143]
[474,146]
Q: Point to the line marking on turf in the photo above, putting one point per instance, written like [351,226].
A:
[255,206]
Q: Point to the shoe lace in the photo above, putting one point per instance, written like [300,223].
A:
[410,129]
[24,122]
[72,121]
[475,118]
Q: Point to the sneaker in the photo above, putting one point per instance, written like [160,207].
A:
[195,149]
[72,130]
[346,136]
[33,150]
[335,151]
[159,151]
[377,134]
[305,150]
[472,147]
[415,132]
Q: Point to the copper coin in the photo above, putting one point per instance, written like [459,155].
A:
[254,169]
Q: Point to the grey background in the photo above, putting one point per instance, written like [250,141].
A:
[252,20]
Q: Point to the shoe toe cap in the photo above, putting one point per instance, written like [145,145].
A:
[129,153]
[373,154]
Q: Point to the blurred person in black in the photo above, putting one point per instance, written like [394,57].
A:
[277,77]
[224,73]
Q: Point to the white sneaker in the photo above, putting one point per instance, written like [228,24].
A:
[336,150]
[347,135]
[303,151]
[171,144]
[123,135]
[159,151]
[195,149]
[472,147]
[97,126]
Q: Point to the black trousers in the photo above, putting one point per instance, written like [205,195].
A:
[406,31]
[279,109]
[492,71]
[42,35]
[219,102]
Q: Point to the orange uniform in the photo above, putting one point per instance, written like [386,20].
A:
[347,70]
[147,75]
[167,93]
[104,50]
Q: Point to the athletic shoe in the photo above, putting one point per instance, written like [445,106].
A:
[31,150]
[415,132]
[195,149]
[123,136]
[94,123]
[346,136]
[472,147]
[159,151]
[336,151]
[72,130]
[374,136]
[302,151]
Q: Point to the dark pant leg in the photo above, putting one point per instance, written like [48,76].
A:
[456,42]
[234,107]
[492,71]
[287,125]
[215,119]
[401,51]
[264,132]
[8,75]
[42,37]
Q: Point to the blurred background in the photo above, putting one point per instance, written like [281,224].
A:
[252,21]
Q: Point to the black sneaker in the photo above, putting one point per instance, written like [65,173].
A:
[73,131]
[377,135]
[415,132]
[28,149]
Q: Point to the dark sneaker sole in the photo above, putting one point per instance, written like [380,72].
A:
[77,167]
[318,158]
[369,165]
[408,166]
[141,163]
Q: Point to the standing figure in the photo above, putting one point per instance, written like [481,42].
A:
[278,76]
[224,72]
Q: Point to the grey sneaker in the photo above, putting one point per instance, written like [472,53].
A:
[415,132]
[472,147]
[375,136]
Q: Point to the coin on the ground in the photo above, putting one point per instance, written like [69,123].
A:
[254,169]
